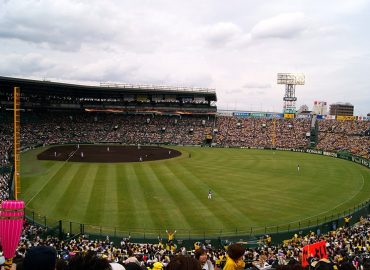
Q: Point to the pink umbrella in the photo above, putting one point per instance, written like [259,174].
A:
[11,221]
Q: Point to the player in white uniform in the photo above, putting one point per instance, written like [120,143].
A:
[210,194]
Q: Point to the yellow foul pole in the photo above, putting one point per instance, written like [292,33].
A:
[17,142]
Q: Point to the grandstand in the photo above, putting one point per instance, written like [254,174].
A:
[109,97]
[61,113]
[47,101]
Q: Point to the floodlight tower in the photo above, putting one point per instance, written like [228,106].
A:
[290,80]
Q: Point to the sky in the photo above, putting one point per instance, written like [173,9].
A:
[236,47]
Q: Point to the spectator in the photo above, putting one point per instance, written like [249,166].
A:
[88,261]
[235,253]
[40,258]
[202,256]
[183,263]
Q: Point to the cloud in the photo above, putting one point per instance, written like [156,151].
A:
[69,25]
[284,25]
[53,24]
[221,34]
[103,70]
[30,64]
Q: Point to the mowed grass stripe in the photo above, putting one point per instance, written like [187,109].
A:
[156,210]
[163,201]
[94,212]
[226,192]
[31,187]
[82,199]
[233,209]
[136,204]
[124,201]
[212,210]
[50,185]
[142,212]
[67,190]
[109,206]
[198,198]
[133,206]
[184,204]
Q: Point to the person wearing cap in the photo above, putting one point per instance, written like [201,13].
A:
[40,258]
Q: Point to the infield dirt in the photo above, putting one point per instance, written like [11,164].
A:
[107,153]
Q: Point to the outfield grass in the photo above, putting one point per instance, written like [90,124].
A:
[251,188]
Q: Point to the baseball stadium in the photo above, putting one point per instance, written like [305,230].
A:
[139,160]
[143,162]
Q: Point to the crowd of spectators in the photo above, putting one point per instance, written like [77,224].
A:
[262,132]
[224,131]
[344,136]
[4,186]
[347,248]
[5,147]
[59,127]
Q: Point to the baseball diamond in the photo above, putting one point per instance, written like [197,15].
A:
[250,187]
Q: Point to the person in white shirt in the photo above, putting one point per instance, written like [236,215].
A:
[209,194]
[202,256]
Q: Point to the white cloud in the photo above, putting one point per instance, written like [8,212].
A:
[221,33]
[55,24]
[285,25]
[68,25]
[30,64]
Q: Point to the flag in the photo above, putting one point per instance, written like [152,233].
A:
[316,250]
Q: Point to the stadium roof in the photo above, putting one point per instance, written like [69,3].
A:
[105,89]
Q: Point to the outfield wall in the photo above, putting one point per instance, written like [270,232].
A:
[343,155]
